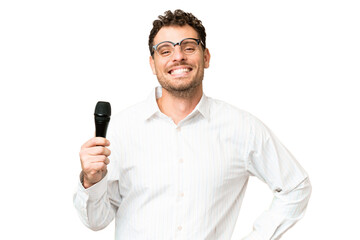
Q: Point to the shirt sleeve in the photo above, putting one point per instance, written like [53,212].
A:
[272,163]
[97,205]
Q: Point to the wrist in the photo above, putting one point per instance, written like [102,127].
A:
[86,182]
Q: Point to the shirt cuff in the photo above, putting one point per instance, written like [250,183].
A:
[96,191]
[252,236]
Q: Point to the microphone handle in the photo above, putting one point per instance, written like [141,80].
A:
[101,128]
[101,125]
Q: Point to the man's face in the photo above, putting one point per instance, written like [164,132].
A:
[179,74]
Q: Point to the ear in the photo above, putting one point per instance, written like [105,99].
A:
[152,64]
[206,58]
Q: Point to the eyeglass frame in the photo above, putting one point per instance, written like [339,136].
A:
[198,41]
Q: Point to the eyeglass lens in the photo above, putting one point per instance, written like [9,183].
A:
[188,46]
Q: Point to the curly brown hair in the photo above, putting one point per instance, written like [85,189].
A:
[176,18]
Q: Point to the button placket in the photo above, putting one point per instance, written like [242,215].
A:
[180,183]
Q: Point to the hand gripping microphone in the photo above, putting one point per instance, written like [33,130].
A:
[102,117]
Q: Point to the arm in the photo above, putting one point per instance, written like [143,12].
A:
[272,163]
[97,197]
[286,209]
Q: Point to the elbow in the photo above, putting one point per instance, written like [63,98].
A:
[96,228]
[302,192]
[96,225]
[308,187]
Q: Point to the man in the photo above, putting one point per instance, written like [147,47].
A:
[180,161]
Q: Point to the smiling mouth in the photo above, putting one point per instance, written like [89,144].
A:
[179,71]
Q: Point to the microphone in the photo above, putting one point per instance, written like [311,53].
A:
[102,117]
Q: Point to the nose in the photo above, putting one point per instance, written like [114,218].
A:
[178,54]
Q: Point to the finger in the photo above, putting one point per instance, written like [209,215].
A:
[98,150]
[94,167]
[106,161]
[99,159]
[89,160]
[98,167]
[96,141]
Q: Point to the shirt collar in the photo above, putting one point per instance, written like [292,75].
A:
[152,108]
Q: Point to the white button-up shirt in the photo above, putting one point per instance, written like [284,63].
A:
[187,181]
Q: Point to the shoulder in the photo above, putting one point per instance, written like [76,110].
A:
[219,108]
[130,116]
[228,115]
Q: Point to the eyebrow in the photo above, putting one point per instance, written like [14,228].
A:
[166,42]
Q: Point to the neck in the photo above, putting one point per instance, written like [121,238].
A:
[178,107]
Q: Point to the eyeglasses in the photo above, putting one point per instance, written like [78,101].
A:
[167,48]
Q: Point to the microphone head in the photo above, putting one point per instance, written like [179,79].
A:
[102,117]
[103,109]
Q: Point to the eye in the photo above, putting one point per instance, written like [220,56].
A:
[165,50]
[189,47]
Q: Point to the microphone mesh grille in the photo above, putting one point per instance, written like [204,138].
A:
[103,108]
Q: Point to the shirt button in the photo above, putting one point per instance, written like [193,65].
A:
[181,160]
[178,129]
[179,228]
[181,194]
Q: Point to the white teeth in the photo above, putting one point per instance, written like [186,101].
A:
[180,70]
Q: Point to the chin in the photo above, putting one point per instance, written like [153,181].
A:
[183,91]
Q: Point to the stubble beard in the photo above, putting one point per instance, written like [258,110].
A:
[182,91]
